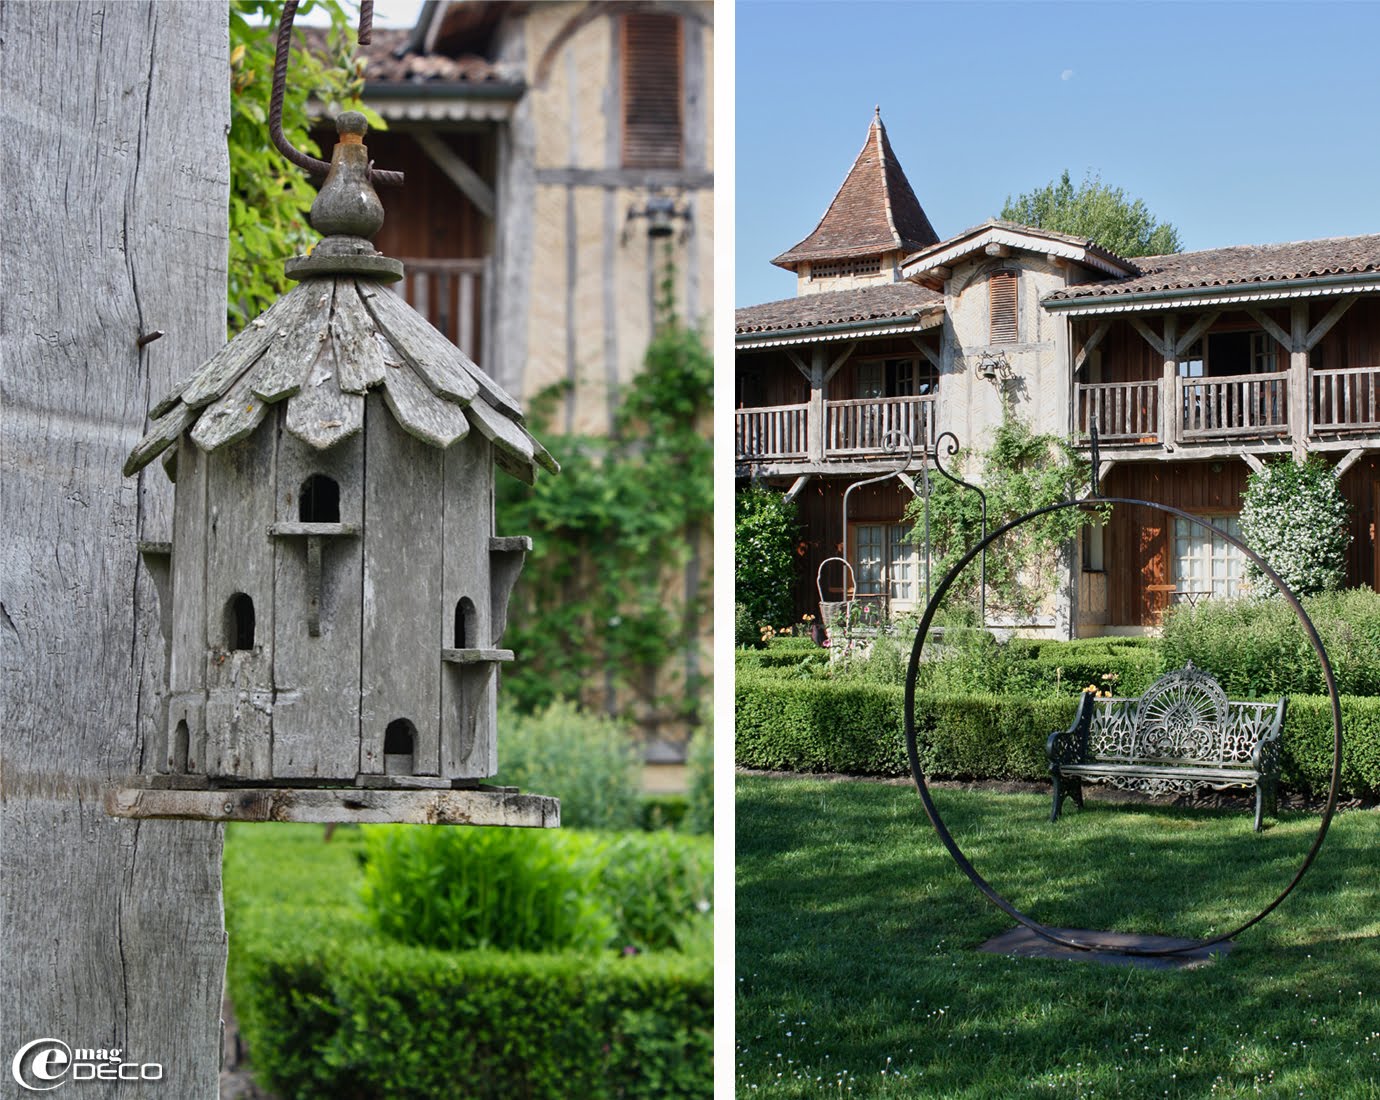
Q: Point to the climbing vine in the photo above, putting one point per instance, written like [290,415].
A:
[764,537]
[1021,471]
[269,198]
[615,593]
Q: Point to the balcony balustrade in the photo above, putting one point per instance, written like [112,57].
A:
[1250,406]
[849,429]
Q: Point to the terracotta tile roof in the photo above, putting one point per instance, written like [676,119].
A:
[874,211]
[838,307]
[1240,264]
[389,62]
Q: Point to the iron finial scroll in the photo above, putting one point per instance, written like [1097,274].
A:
[302,160]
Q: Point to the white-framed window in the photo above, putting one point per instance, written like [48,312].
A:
[886,562]
[1205,564]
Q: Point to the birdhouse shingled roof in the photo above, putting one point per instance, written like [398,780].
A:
[321,348]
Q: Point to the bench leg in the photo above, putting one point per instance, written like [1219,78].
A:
[1066,788]
[1265,802]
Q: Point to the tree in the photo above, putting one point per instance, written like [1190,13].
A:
[1295,517]
[1094,210]
[765,531]
[269,198]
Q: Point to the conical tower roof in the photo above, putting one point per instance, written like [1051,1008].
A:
[335,336]
[874,211]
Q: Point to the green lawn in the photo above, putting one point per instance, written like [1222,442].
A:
[856,971]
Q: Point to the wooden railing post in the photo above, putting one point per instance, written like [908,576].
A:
[814,417]
[1298,379]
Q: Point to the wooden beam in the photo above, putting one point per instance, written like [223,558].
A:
[1150,338]
[1281,337]
[494,806]
[469,182]
[1199,327]
[1332,316]
[1056,261]
[1001,251]
[839,361]
[1349,460]
[799,484]
[1298,379]
[800,364]
[928,352]
[1090,345]
[1104,468]
[1253,461]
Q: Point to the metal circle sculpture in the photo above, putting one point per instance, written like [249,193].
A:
[932,812]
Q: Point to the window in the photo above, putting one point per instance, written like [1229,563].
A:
[651,56]
[1225,354]
[1002,305]
[1094,547]
[905,377]
[886,563]
[1206,565]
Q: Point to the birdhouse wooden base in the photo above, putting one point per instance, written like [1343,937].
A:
[482,805]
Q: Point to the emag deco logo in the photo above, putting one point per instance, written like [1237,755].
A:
[45,1064]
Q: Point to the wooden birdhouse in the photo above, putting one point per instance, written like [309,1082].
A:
[338,592]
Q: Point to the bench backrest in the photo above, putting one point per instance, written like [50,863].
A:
[1184,717]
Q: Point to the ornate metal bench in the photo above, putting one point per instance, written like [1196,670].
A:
[1181,735]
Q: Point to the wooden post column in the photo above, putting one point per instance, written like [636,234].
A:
[111,932]
[1298,378]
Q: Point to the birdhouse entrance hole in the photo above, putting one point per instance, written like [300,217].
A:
[466,634]
[319,500]
[181,744]
[399,744]
[239,622]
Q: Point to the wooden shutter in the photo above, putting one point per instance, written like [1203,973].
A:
[1002,302]
[651,90]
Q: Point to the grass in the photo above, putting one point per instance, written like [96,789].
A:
[856,972]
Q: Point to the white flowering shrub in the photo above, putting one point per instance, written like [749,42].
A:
[1295,517]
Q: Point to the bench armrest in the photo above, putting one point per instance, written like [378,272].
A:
[1071,745]
[1265,755]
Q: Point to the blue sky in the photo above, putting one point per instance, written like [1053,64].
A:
[1239,123]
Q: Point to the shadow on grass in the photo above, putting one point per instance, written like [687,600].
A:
[855,929]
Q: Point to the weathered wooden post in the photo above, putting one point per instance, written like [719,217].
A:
[114,216]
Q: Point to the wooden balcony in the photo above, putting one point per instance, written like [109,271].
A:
[847,430]
[1344,400]
[1227,410]
[449,294]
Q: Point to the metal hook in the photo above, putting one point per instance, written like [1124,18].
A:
[275,104]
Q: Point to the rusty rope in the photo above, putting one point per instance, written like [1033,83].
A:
[307,163]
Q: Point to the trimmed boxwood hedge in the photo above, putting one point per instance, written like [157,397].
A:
[327,1007]
[796,724]
[328,1013]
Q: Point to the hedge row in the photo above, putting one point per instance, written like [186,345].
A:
[328,1007]
[856,728]
[356,1019]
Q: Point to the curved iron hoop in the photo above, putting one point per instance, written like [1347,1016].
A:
[951,450]
[304,161]
[957,853]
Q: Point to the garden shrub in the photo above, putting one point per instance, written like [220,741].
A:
[458,889]
[1257,648]
[663,811]
[327,1007]
[587,761]
[1294,516]
[532,889]
[764,534]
